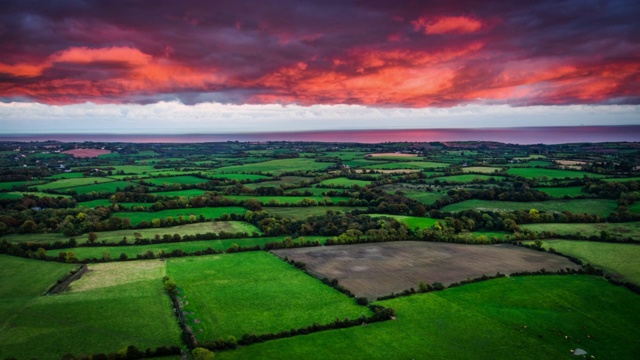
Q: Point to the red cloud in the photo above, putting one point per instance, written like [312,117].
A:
[447,24]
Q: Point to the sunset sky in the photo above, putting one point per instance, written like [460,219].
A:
[248,66]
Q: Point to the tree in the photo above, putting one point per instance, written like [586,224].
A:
[202,354]
[92,237]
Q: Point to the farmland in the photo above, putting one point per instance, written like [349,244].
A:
[370,225]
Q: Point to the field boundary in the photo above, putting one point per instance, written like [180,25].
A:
[63,284]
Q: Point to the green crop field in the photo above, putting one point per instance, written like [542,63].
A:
[621,230]
[600,207]
[277,166]
[508,318]
[110,187]
[481,169]
[65,183]
[132,251]
[559,192]
[182,180]
[301,213]
[345,182]
[535,173]
[411,221]
[467,178]
[113,306]
[137,217]
[620,260]
[254,292]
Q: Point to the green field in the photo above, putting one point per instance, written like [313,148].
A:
[481,169]
[137,217]
[467,178]
[110,187]
[635,207]
[508,318]
[240,177]
[408,165]
[559,192]
[622,179]
[8,185]
[182,180]
[345,182]
[113,306]
[254,292]
[66,183]
[286,199]
[132,251]
[590,206]
[107,203]
[535,173]
[301,213]
[277,166]
[182,193]
[620,260]
[622,230]
[411,221]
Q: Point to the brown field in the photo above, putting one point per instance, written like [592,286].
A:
[86,153]
[374,270]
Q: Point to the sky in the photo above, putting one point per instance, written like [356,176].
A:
[87,66]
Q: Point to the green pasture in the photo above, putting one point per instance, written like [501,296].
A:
[559,192]
[132,251]
[618,230]
[508,318]
[600,207]
[301,213]
[66,175]
[635,207]
[181,193]
[619,260]
[240,177]
[110,187]
[530,157]
[345,182]
[622,179]
[481,169]
[21,194]
[266,200]
[408,165]
[277,166]
[313,190]
[345,156]
[467,178]
[411,221]
[284,181]
[107,203]
[99,317]
[254,293]
[73,182]
[137,217]
[8,185]
[181,180]
[536,173]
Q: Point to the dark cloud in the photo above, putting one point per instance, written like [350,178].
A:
[378,53]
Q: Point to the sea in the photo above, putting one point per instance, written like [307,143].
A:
[515,135]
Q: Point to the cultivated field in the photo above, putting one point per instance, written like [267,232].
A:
[481,169]
[374,270]
[137,217]
[600,207]
[622,230]
[254,292]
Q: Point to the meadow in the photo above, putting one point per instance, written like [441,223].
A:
[181,180]
[109,187]
[559,192]
[408,165]
[467,178]
[292,200]
[508,318]
[481,169]
[254,292]
[538,173]
[619,230]
[276,166]
[73,182]
[301,213]
[345,182]
[618,260]
[600,207]
[137,217]
[411,221]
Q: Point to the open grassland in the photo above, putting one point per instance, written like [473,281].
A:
[111,307]
[277,166]
[65,183]
[110,187]
[150,233]
[106,202]
[536,173]
[374,270]
[182,180]
[254,292]
[345,156]
[481,169]
[240,177]
[286,199]
[418,193]
[313,190]
[132,251]
[467,178]
[618,230]
[619,260]
[411,221]
[559,192]
[8,185]
[137,217]
[134,169]
[301,213]
[600,207]
[284,181]
[21,194]
[508,318]
[345,182]
[182,193]
[408,165]
[395,156]
[66,175]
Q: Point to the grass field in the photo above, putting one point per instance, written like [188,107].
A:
[467,178]
[286,199]
[622,179]
[106,202]
[509,318]
[374,270]
[345,182]
[411,221]
[8,185]
[408,165]
[559,192]
[182,180]
[110,187]
[481,169]
[620,260]
[66,175]
[277,166]
[254,292]
[635,207]
[111,307]
[21,194]
[240,177]
[301,213]
[424,197]
[137,217]
[532,173]
[66,183]
[590,206]
[182,193]
[132,251]
[623,230]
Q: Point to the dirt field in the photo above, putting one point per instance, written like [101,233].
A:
[86,153]
[373,270]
